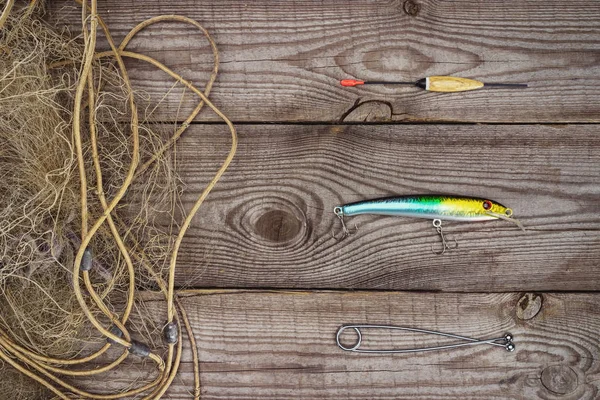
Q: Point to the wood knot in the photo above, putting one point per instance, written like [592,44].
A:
[411,8]
[278,226]
[559,379]
[529,305]
[368,111]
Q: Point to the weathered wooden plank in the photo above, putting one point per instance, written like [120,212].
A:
[281,60]
[269,221]
[282,345]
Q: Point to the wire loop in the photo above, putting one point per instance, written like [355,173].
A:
[505,341]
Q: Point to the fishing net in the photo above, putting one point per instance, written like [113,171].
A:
[88,193]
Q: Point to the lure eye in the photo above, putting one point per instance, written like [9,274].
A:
[487,205]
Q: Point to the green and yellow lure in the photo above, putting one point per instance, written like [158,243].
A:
[435,207]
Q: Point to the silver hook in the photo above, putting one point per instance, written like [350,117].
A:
[505,341]
[345,231]
[437,223]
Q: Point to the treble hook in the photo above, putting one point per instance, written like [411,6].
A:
[345,231]
[437,223]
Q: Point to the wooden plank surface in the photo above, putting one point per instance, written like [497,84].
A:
[282,60]
[282,345]
[269,221]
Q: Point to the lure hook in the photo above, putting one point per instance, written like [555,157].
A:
[437,223]
[345,231]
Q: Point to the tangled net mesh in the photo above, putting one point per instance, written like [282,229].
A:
[39,186]
[41,209]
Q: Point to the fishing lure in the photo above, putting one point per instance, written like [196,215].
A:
[435,207]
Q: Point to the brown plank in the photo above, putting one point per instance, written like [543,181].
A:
[269,221]
[282,345]
[282,60]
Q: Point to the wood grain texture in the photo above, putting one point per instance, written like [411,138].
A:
[282,346]
[282,60]
[269,221]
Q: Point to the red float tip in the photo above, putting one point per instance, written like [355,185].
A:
[351,82]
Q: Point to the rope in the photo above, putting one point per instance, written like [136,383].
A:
[47,370]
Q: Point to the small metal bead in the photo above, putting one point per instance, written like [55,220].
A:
[508,337]
[510,347]
[86,260]
[171,333]
[115,331]
[139,349]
